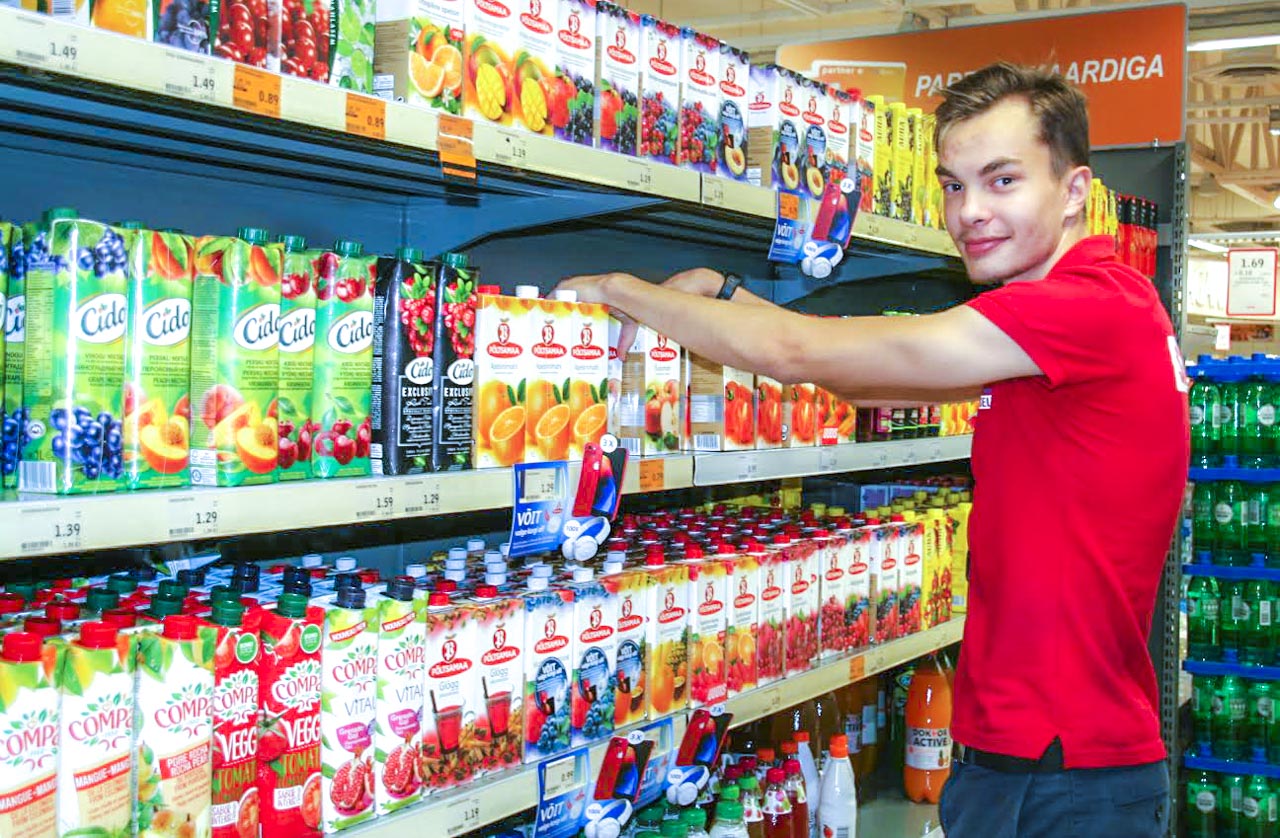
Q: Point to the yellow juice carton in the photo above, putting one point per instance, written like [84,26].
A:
[534,84]
[721,407]
[571,94]
[501,370]
[903,133]
[547,428]
[959,516]
[650,404]
[127,17]
[617,107]
[800,413]
[735,110]
[937,559]
[882,203]
[630,590]
[668,639]
[921,141]
[862,148]
[588,376]
[418,52]
[772,430]
[493,39]
[933,188]
[744,618]
[30,675]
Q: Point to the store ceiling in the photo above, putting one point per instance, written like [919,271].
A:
[1235,159]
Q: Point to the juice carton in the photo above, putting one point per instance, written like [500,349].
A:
[501,641]
[862,149]
[789,128]
[547,429]
[764,96]
[734,110]
[721,407]
[296,429]
[927,186]
[911,580]
[236,719]
[195,30]
[127,17]
[775,597]
[572,100]
[449,740]
[343,361]
[402,411]
[402,674]
[649,413]
[959,515]
[936,596]
[493,39]
[174,727]
[341,55]
[74,11]
[348,708]
[500,376]
[744,620]
[30,676]
[710,605]
[157,376]
[800,413]
[884,157]
[617,114]
[454,360]
[802,617]
[614,422]
[289,683]
[919,159]
[631,591]
[700,101]
[812,95]
[418,54]
[660,73]
[833,631]
[548,670]
[902,136]
[772,428]
[668,639]
[235,360]
[595,656]
[588,377]
[839,113]
[860,594]
[883,553]
[95,740]
[13,353]
[77,312]
[535,90]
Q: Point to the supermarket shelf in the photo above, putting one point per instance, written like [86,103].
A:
[1233,574]
[1244,475]
[736,467]
[1243,670]
[1229,766]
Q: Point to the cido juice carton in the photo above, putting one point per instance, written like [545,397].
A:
[884,157]
[660,73]
[911,580]
[30,706]
[649,407]
[492,41]
[297,333]
[812,97]
[700,101]
[402,413]
[630,590]
[744,619]
[534,87]
[862,150]
[721,406]
[454,359]
[14,343]
[734,110]
[572,101]
[450,746]
[289,684]
[883,553]
[800,413]
[548,670]
[343,361]
[77,319]
[418,55]
[595,655]
[617,114]
[96,736]
[833,584]
[771,427]
[402,674]
[709,606]
[839,115]
[236,716]
[547,428]
[235,360]
[500,638]
[348,708]
[501,369]
[157,376]
[174,727]
[588,376]
[668,639]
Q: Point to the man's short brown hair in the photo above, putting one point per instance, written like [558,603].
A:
[1060,108]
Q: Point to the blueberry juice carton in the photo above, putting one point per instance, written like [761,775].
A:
[548,669]
[595,654]
[617,115]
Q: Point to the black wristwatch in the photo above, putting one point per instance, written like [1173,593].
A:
[731,284]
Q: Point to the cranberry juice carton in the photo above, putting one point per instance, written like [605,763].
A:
[449,742]
[839,115]
[493,39]
[547,428]
[534,87]
[862,150]
[348,708]
[883,559]
[775,595]
[700,102]
[15,307]
[402,674]
[95,742]
[454,360]
[721,407]
[595,654]
[235,360]
[77,317]
[500,372]
[772,428]
[548,670]
[588,376]
[812,97]
[734,112]
[290,683]
[343,362]
[572,101]
[710,607]
[649,407]
[911,581]
[631,591]
[800,413]
[157,399]
[402,410]
[744,619]
[30,674]
[668,639]
[660,74]
[418,52]
[499,621]
[617,107]
[236,806]
[295,426]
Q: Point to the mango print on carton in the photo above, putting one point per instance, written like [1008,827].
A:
[492,41]
[30,672]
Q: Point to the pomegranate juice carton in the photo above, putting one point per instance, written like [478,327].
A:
[449,742]
[30,671]
[700,102]
[744,619]
[454,360]
[535,89]
[572,103]
[547,428]
[236,805]
[660,90]
[548,671]
[402,675]
[348,709]
[911,581]
[595,652]
[500,373]
[501,644]
[418,52]
[883,549]
[296,428]
[617,113]
[631,591]
[668,665]
[721,407]
[833,564]
[402,410]
[588,377]
[775,596]
[734,108]
[493,39]
[652,387]
[860,596]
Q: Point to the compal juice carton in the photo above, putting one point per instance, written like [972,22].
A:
[449,741]
[235,720]
[649,407]
[402,413]
[174,727]
[936,595]
[721,407]
[631,591]
[500,639]
[839,113]
[14,345]
[572,103]
[595,655]
[802,617]
[862,148]
[884,157]
[418,52]
[77,318]
[95,740]
[744,620]
[588,376]
[911,578]
[402,674]
[343,361]
[454,361]
[289,683]
[660,72]
[700,102]
[775,596]
[348,708]
[534,88]
[668,637]
[500,372]
[548,670]
[800,413]
[883,553]
[30,675]
[710,604]
[812,96]
[617,114]
[493,39]
[547,429]
[734,109]
[295,426]
[772,428]
[235,360]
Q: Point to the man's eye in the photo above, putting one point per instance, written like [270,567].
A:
[950,187]
[1007,180]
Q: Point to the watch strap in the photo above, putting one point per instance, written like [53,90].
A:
[731,284]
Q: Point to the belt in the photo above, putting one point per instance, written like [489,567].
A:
[1048,762]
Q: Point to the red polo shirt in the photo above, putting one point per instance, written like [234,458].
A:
[1079,475]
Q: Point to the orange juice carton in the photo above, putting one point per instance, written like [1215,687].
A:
[721,407]
[418,49]
[402,675]
[501,639]
[501,369]
[884,157]
[235,360]
[493,39]
[548,669]
[614,394]
[660,73]
[571,93]
[135,18]
[800,413]
[588,376]
[650,404]
[744,619]
[454,361]
[710,604]
[772,429]
[631,591]
[348,708]
[775,596]
[911,578]
[802,619]
[174,734]
[839,112]
[236,715]
[700,102]
[295,427]
[595,657]
[30,674]
[449,742]
[96,734]
[812,98]
[534,84]
[547,427]
[862,149]
[734,109]
[617,107]
[668,639]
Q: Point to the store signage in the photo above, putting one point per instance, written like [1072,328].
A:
[1251,281]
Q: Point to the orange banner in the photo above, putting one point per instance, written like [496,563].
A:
[1129,63]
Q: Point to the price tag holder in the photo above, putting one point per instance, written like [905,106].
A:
[51,528]
[511,149]
[375,501]
[420,497]
[653,475]
[857,667]
[639,175]
[713,191]
[256,91]
[788,206]
[366,116]
[462,817]
[195,516]
[455,141]
[39,41]
[562,795]
[748,467]
[193,77]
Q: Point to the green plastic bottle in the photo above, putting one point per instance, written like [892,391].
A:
[1233,619]
[1230,719]
[1204,801]
[1259,809]
[1202,619]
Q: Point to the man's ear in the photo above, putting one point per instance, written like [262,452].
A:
[1078,183]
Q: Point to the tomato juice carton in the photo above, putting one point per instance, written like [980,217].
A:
[884,158]
[501,647]
[95,741]
[660,74]
[617,108]
[700,101]
[572,100]
[631,591]
[450,746]
[30,707]
[297,332]
[77,318]
[157,375]
[862,149]
[771,426]
[802,616]
[402,674]
[501,370]
[883,559]
[236,716]
[535,88]
[235,360]
[492,41]
[668,639]
[588,376]
[775,598]
[744,619]
[348,708]
[595,650]
[11,351]
[721,407]
[911,579]
[839,115]
[734,112]
[548,670]
[800,414]
[402,410]
[418,52]
[614,367]
[289,686]
[454,361]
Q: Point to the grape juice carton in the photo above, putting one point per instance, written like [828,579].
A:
[297,330]
[710,607]
[455,343]
[493,39]
[595,655]
[859,593]
[649,408]
[775,607]
[660,73]
[667,678]
[343,361]
[534,87]
[839,116]
[96,736]
[721,407]
[15,307]
[617,106]
[348,708]
[700,102]
[501,369]
[449,742]
[588,376]
[236,717]
[77,318]
[862,150]
[572,103]
[812,96]
[157,398]
[30,707]
[402,676]
[174,726]
[402,411]
[235,360]
[733,110]
[744,619]
[771,427]
[911,580]
[418,52]
[631,591]
[884,560]
[884,158]
[548,671]
[499,621]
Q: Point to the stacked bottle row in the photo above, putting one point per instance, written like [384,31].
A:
[1233,411]
[1232,620]
[1231,806]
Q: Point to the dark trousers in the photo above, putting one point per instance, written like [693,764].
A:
[979,802]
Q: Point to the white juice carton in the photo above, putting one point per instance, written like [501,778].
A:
[700,102]
[548,670]
[573,105]
[812,96]
[911,582]
[449,736]
[762,123]
[617,106]
[735,102]
[30,672]
[348,709]
[534,86]
[650,407]
[660,73]
[402,674]
[862,152]
[501,645]
[631,590]
[668,639]
[840,115]
[595,655]
[744,619]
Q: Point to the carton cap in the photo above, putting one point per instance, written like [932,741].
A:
[165,607]
[350,598]
[293,606]
[565,295]
[456,260]
[173,589]
[446,586]
[120,617]
[583,574]
[253,235]
[293,244]
[408,254]
[400,589]
[493,580]
[180,627]
[486,592]
[59,213]
[346,247]
[122,584]
[26,590]
[312,560]
[344,564]
[537,583]
[541,571]
[475,545]
[62,610]
[436,599]
[22,646]
[129,224]
[491,290]
[527,292]
[458,553]
[227,614]
[97,635]
[43,626]
[13,603]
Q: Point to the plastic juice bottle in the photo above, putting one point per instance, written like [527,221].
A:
[1204,690]
[668,668]
[30,672]
[744,585]
[595,649]
[775,596]
[454,357]
[403,416]
[1202,618]
[501,640]
[777,806]
[1230,715]
[808,768]
[1256,503]
[1230,383]
[838,809]
[1204,802]
[235,720]
[548,669]
[500,375]
[802,816]
[752,810]
[296,428]
[349,708]
[1259,809]
[928,732]
[730,816]
[631,590]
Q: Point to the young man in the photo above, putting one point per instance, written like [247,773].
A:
[1080,456]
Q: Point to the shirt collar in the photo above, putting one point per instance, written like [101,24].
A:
[1088,251]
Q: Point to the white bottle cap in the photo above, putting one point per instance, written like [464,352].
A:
[537,583]
[505,549]
[495,567]
[455,564]
[475,545]
[344,564]
[527,292]
[541,571]
[312,560]
[417,571]
[618,556]
[583,574]
[457,552]
[491,556]
[611,566]
[498,579]
[455,575]
[564,295]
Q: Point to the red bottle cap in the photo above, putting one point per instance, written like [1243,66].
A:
[62,610]
[724,548]
[97,635]
[489,289]
[22,646]
[487,591]
[369,576]
[62,584]
[766,754]
[653,557]
[319,572]
[782,539]
[792,766]
[775,775]
[802,736]
[43,626]
[180,627]
[446,586]
[694,552]
[120,617]
[788,749]
[839,746]
[12,603]
[437,598]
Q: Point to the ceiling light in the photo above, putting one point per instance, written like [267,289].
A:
[1209,246]
[1274,122]
[1234,43]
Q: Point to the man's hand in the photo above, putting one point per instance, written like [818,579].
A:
[595,289]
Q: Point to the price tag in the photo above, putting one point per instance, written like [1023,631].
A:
[455,142]
[42,42]
[189,76]
[366,116]
[881,458]
[194,516]
[935,451]
[420,497]
[653,475]
[909,455]
[712,191]
[256,91]
[560,776]
[748,467]
[512,149]
[540,485]
[772,701]
[827,459]
[52,528]
[857,667]
[375,500]
[462,817]
[639,175]
[873,226]
[788,206]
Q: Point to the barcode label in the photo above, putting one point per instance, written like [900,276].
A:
[707,442]
[63,8]
[631,445]
[37,476]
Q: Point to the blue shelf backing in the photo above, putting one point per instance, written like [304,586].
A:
[1230,766]
[1244,670]
[1233,574]
[1244,475]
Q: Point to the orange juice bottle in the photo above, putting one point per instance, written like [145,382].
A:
[928,757]
[546,436]
[588,376]
[500,373]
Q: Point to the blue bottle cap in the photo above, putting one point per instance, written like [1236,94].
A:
[1230,656]
[1230,461]
[1204,557]
[1258,559]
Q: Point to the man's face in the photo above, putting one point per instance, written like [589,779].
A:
[1005,208]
